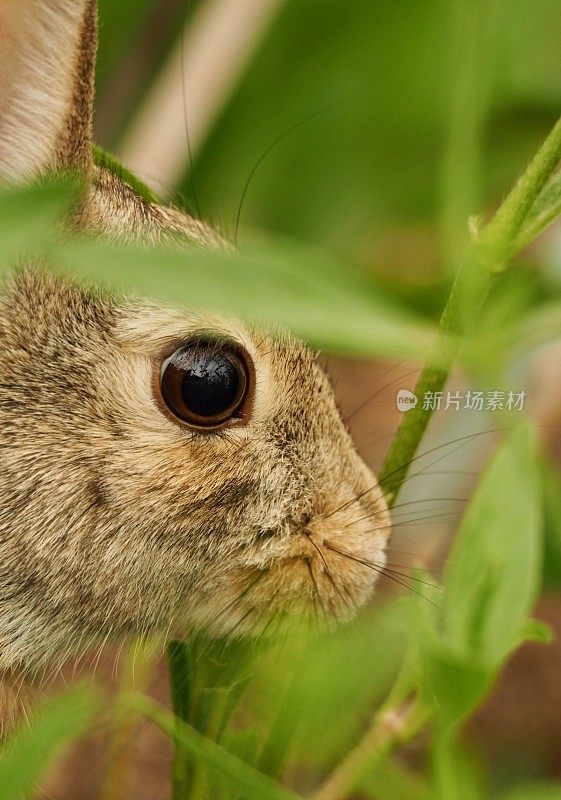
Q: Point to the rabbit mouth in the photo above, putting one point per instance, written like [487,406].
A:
[318,574]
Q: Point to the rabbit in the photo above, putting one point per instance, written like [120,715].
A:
[159,468]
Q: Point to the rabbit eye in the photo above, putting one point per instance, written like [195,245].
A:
[204,384]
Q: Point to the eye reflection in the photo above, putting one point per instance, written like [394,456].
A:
[204,384]
[210,384]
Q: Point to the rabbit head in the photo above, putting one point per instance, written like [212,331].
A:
[158,467]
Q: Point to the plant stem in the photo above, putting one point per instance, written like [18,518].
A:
[469,291]
[487,255]
[499,235]
[180,682]
[390,728]
[471,65]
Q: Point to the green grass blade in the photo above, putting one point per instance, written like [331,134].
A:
[55,725]
[240,775]
[285,284]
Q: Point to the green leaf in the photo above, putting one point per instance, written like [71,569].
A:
[319,714]
[456,685]
[56,724]
[535,630]
[533,328]
[545,210]
[289,284]
[241,776]
[108,161]
[492,576]
[490,584]
[31,216]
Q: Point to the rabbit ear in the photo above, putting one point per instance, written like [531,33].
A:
[47,64]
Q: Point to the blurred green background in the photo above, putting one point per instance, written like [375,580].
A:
[401,118]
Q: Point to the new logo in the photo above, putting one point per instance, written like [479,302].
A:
[406,400]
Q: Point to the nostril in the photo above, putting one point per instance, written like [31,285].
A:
[299,524]
[302,521]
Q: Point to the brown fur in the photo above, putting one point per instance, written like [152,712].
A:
[116,211]
[74,146]
[113,519]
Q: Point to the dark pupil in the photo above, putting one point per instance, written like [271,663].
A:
[210,384]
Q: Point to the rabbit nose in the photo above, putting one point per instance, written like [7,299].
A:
[300,524]
[295,525]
